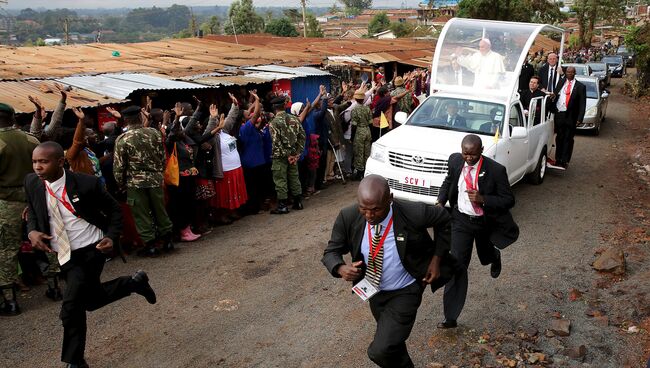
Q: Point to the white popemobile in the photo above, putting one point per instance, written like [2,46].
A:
[475,95]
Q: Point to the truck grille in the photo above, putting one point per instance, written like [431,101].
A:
[428,191]
[417,163]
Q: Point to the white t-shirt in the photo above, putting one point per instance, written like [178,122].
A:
[229,154]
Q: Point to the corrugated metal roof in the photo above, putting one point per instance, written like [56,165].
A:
[122,85]
[16,93]
[304,71]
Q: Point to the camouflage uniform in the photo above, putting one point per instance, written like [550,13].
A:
[138,165]
[288,139]
[405,103]
[361,117]
[16,149]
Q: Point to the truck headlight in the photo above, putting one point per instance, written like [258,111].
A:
[378,152]
[592,111]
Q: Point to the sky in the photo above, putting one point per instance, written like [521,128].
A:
[76,4]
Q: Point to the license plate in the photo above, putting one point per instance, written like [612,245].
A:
[418,182]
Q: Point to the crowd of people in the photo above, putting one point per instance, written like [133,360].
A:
[177,172]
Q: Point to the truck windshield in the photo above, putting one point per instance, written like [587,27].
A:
[459,114]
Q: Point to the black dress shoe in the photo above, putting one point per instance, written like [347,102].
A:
[141,286]
[448,323]
[82,364]
[9,308]
[54,294]
[495,268]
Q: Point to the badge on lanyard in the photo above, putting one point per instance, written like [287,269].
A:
[364,289]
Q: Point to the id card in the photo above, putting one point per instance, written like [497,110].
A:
[364,289]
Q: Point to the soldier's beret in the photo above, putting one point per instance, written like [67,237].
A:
[6,108]
[131,111]
[280,100]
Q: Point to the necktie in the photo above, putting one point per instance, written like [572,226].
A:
[551,80]
[568,94]
[470,186]
[450,122]
[373,272]
[59,230]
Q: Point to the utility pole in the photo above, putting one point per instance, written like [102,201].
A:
[66,30]
[304,17]
[192,23]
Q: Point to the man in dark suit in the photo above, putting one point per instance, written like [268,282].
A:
[456,74]
[452,118]
[480,198]
[528,94]
[527,72]
[391,249]
[72,215]
[549,73]
[531,92]
[569,106]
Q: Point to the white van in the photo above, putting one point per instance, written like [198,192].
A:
[413,157]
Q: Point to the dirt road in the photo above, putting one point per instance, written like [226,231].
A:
[254,294]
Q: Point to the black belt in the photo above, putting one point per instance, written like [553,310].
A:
[471,218]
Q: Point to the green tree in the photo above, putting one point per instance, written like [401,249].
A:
[511,10]
[281,27]
[638,40]
[185,33]
[244,18]
[293,14]
[401,29]
[334,9]
[378,23]
[313,27]
[589,12]
[40,42]
[212,26]
[357,4]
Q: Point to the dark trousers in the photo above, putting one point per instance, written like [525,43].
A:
[85,292]
[182,206]
[395,313]
[566,130]
[464,232]
[255,182]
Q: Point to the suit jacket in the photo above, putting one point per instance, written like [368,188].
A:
[578,102]
[543,76]
[414,245]
[449,77]
[88,197]
[526,96]
[459,121]
[527,71]
[493,185]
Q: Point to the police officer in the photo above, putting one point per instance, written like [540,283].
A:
[16,149]
[288,139]
[138,166]
[361,117]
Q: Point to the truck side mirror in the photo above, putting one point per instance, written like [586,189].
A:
[401,117]
[518,132]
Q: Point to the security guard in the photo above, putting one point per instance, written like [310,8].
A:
[138,166]
[288,139]
[16,149]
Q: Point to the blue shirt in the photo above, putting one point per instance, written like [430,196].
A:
[393,276]
[252,154]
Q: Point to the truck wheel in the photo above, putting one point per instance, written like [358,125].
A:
[537,176]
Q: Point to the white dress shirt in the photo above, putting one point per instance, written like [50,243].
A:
[464,204]
[561,101]
[80,232]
